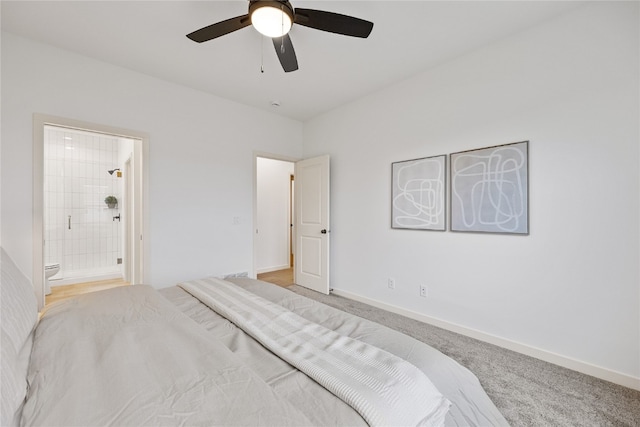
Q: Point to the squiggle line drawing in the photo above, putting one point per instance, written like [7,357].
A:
[490,190]
[418,194]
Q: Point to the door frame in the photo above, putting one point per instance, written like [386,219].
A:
[128,220]
[39,122]
[264,155]
[292,220]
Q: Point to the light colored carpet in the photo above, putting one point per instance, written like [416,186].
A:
[528,391]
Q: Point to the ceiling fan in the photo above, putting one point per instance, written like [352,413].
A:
[274,19]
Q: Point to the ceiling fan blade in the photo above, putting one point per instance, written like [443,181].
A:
[333,22]
[220,29]
[285,52]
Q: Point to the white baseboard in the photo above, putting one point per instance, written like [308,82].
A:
[557,359]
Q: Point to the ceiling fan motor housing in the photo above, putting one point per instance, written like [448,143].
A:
[284,6]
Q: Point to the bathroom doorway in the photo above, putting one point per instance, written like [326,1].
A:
[89,198]
[85,209]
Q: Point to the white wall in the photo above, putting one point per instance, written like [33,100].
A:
[201,155]
[272,240]
[570,86]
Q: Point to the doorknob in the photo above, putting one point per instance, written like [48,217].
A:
[323,231]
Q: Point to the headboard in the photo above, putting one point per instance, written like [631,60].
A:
[19,316]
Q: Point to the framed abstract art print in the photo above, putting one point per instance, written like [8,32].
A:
[490,189]
[418,194]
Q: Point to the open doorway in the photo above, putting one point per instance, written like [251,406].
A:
[89,197]
[85,208]
[274,240]
[306,230]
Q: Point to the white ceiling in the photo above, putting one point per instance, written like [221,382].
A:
[149,37]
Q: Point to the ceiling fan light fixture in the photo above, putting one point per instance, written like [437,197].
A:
[274,19]
[271,18]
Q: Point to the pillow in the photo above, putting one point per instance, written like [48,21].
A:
[18,318]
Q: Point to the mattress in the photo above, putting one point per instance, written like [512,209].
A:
[470,405]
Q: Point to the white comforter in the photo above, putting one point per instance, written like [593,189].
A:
[128,357]
[470,405]
[383,388]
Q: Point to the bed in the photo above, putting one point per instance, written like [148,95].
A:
[138,356]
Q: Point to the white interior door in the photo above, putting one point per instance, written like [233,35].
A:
[312,223]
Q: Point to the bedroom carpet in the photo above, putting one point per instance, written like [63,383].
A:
[528,391]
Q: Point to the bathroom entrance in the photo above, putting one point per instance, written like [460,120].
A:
[84,207]
[89,189]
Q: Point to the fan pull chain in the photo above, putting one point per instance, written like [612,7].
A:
[262,55]
[282,28]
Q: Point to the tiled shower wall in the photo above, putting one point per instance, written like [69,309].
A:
[79,229]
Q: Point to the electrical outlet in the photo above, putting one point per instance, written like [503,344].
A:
[423,291]
[391,282]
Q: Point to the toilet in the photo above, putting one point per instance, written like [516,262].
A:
[49,271]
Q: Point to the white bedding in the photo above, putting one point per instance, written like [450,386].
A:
[470,405]
[18,318]
[127,357]
[383,388]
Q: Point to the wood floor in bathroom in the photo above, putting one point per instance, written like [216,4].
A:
[59,293]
